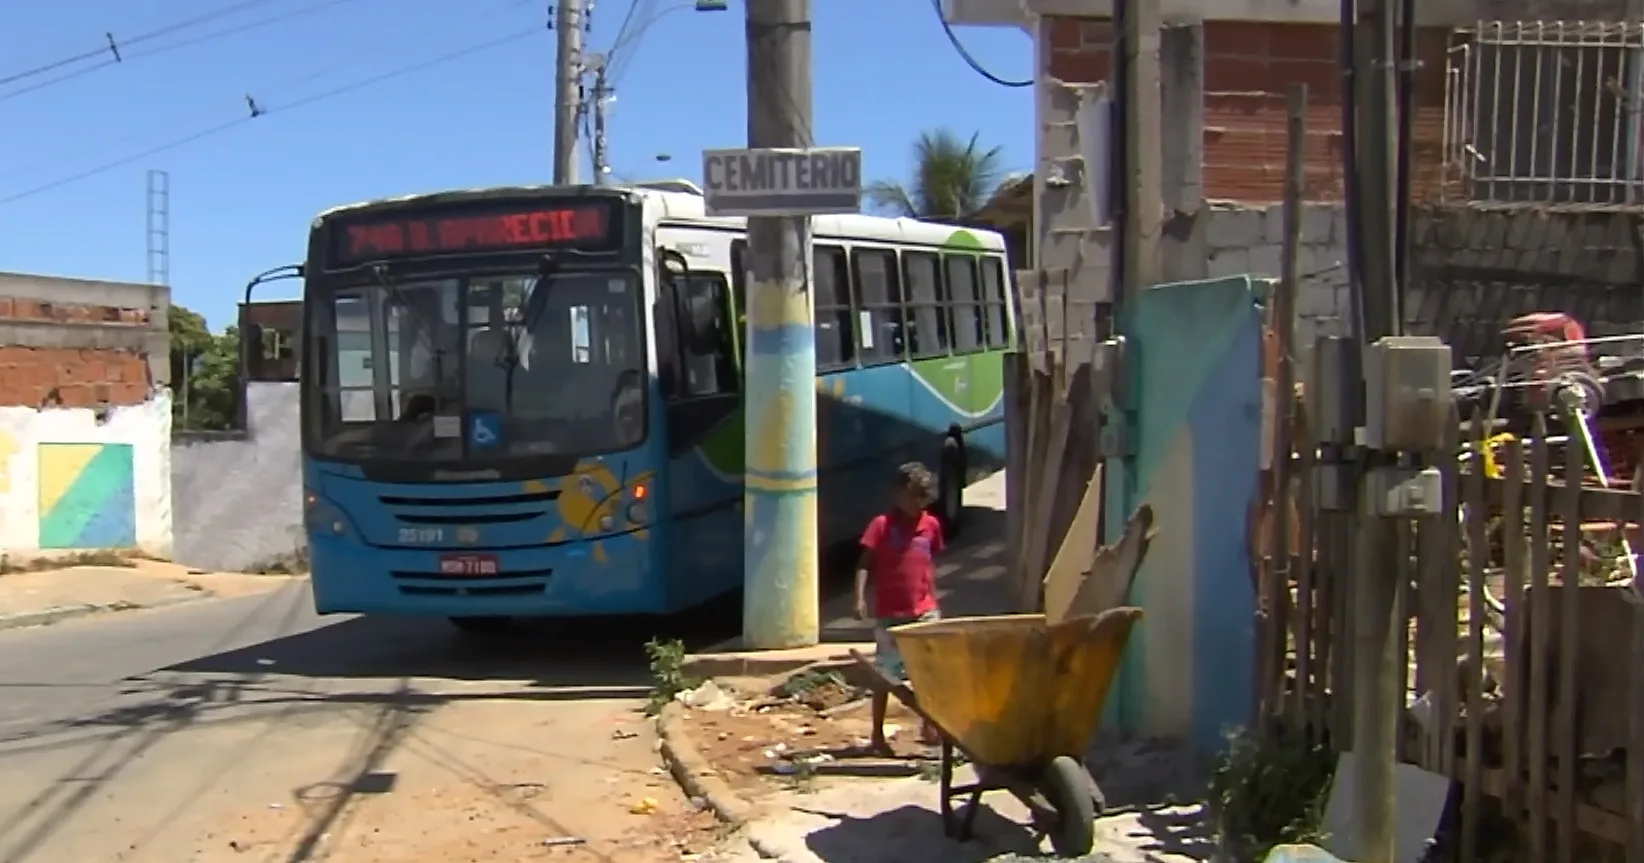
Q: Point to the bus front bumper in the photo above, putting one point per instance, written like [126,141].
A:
[610,575]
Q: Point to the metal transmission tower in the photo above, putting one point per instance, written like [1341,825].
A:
[159,227]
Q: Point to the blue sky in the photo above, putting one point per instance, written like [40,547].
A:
[242,199]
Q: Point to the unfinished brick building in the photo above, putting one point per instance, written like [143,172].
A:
[76,343]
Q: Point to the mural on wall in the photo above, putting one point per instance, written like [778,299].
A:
[1195,370]
[87,496]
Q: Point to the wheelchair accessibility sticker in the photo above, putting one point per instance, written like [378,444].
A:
[484,429]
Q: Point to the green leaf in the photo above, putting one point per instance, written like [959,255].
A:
[952,177]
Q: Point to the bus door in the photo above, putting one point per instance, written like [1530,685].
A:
[696,354]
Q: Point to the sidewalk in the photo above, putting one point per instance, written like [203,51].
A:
[784,745]
[53,595]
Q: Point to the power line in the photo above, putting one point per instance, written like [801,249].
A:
[627,43]
[627,21]
[114,45]
[257,110]
[966,56]
[126,57]
[205,117]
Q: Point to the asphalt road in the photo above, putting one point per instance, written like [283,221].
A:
[251,729]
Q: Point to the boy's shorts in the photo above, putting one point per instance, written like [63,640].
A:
[885,654]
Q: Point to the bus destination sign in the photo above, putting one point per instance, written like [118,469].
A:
[583,225]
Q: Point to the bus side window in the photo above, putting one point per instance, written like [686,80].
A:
[995,302]
[710,369]
[878,291]
[830,280]
[969,324]
[928,328]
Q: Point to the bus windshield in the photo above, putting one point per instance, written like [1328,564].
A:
[482,368]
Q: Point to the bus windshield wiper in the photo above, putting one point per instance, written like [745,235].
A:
[379,272]
[547,267]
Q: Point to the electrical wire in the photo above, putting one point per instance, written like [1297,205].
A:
[622,29]
[966,55]
[258,110]
[626,44]
[206,117]
[207,37]
[114,45]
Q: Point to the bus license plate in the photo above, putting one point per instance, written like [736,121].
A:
[468,564]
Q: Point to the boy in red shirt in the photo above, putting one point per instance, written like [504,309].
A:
[898,559]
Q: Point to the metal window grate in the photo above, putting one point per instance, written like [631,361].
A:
[1544,112]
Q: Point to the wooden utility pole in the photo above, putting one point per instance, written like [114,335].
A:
[602,98]
[1276,584]
[780,546]
[1376,593]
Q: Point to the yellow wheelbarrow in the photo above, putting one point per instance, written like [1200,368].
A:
[1020,699]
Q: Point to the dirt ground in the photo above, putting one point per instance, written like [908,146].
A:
[248,729]
[766,737]
[133,585]
[444,793]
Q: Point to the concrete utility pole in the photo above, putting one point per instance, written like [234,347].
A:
[780,544]
[1143,197]
[1376,595]
[567,87]
[602,98]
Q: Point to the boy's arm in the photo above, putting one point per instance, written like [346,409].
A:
[864,564]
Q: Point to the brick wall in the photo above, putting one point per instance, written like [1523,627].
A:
[1248,69]
[71,377]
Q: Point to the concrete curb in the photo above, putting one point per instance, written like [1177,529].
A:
[60,613]
[772,663]
[694,773]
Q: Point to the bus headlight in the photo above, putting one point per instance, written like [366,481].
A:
[606,523]
[638,512]
[322,516]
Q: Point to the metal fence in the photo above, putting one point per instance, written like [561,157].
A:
[1544,112]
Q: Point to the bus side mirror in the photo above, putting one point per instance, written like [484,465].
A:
[251,350]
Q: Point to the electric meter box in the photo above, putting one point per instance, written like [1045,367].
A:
[1407,393]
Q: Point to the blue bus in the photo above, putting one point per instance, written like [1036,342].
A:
[525,402]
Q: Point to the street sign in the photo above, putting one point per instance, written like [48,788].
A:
[783,182]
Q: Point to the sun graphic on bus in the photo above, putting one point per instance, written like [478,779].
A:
[593,501]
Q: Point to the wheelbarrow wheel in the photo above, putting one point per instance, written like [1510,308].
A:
[1066,786]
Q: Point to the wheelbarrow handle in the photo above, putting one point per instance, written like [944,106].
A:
[883,683]
[880,682]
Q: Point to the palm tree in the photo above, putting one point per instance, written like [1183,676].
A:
[951,178]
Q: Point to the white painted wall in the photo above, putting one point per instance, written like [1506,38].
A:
[239,500]
[145,427]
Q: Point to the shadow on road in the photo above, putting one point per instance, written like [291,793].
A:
[886,836]
[550,653]
[381,675]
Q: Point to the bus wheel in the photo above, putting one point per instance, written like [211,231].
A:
[483,625]
[950,490]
